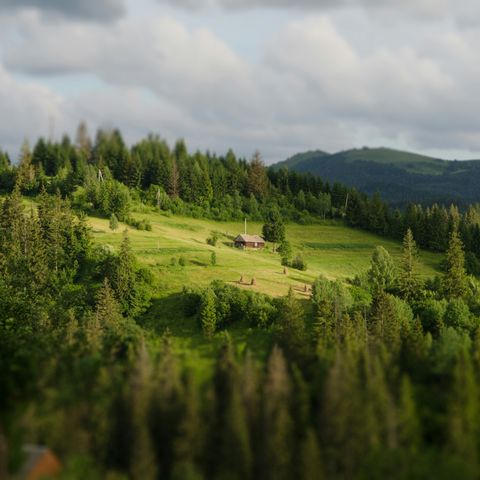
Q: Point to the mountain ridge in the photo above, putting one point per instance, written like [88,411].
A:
[399,176]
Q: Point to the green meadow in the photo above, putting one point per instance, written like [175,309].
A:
[330,249]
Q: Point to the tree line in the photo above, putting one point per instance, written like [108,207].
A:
[104,175]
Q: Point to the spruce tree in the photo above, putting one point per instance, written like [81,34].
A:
[463,417]
[291,325]
[143,461]
[187,444]
[310,467]
[408,423]
[233,454]
[108,320]
[408,283]
[274,229]
[455,282]
[257,177]
[277,420]
[113,223]
[208,314]
[124,278]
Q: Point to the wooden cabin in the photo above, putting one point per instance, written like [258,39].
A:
[250,241]
[39,462]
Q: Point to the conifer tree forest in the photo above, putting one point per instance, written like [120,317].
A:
[377,377]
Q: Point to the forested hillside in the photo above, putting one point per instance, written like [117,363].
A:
[136,342]
[400,177]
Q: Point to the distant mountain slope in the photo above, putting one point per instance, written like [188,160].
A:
[400,177]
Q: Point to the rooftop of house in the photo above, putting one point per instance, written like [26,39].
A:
[249,238]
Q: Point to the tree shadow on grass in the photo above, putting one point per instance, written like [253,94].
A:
[198,263]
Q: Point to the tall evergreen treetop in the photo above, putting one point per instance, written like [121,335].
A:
[455,280]
[408,282]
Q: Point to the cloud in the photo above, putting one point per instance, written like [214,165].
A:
[98,10]
[466,12]
[311,86]
[26,109]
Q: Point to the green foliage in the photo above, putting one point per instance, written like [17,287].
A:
[299,263]
[113,223]
[455,280]
[213,239]
[285,251]
[458,316]
[366,388]
[131,289]
[208,313]
[382,270]
[408,284]
[290,325]
[274,229]
[213,259]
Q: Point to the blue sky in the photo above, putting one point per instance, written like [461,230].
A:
[246,74]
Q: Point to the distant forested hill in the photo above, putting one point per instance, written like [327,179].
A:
[400,177]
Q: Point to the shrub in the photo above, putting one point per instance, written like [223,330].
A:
[182,261]
[299,263]
[213,238]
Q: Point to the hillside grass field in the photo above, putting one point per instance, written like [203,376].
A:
[329,248]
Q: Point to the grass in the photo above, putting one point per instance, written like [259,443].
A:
[333,250]
[330,249]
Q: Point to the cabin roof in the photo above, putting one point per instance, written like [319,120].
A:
[244,238]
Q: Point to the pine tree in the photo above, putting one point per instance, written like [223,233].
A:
[408,283]
[123,278]
[408,423]
[26,171]
[108,320]
[143,462]
[113,223]
[274,229]
[463,421]
[291,325]
[188,440]
[257,177]
[208,314]
[455,282]
[311,467]
[233,455]
[166,408]
[277,421]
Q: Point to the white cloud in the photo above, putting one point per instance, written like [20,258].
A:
[466,12]
[98,10]
[26,109]
[311,87]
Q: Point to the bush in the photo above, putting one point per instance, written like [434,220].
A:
[299,263]
[213,239]
[182,261]
[139,224]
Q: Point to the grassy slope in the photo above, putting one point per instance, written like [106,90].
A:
[329,249]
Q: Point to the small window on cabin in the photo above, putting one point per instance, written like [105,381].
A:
[256,244]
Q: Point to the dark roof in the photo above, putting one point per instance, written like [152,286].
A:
[244,238]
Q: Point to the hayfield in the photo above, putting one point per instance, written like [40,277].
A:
[330,249]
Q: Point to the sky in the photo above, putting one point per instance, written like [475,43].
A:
[276,76]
